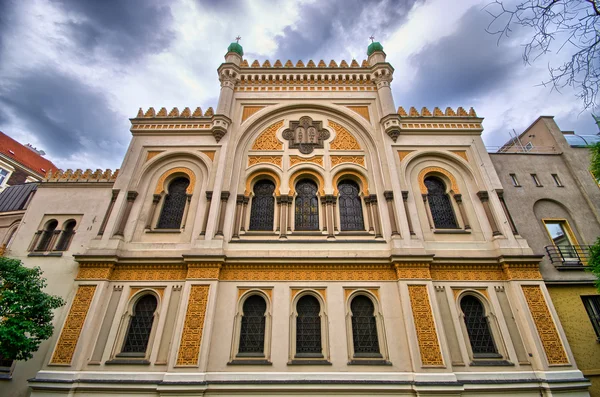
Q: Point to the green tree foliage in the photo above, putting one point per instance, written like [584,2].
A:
[594,260]
[26,311]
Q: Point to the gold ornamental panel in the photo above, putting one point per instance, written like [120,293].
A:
[438,170]
[267,140]
[429,346]
[412,271]
[149,273]
[160,186]
[318,160]
[336,160]
[343,138]
[249,111]
[193,326]
[307,273]
[362,110]
[275,160]
[403,153]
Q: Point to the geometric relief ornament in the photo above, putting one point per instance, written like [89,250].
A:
[191,337]
[305,135]
[343,138]
[267,140]
[65,347]
[429,346]
[428,170]
[160,186]
[555,351]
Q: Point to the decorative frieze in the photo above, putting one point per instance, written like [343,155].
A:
[343,139]
[267,140]
[336,160]
[193,326]
[160,186]
[275,160]
[307,272]
[81,176]
[439,170]
[314,159]
[429,346]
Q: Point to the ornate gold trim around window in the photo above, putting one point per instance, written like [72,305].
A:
[267,140]
[67,342]
[193,326]
[429,346]
[160,186]
[553,346]
[436,170]
[275,160]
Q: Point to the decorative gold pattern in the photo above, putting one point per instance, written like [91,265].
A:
[149,272]
[429,346]
[336,160]
[320,291]
[174,126]
[94,271]
[81,176]
[152,153]
[203,270]
[309,173]
[343,138]
[314,159]
[307,272]
[267,140]
[412,271]
[260,174]
[441,126]
[159,290]
[160,186]
[275,160]
[460,153]
[348,291]
[65,347]
[457,291]
[210,154]
[351,174]
[432,170]
[443,272]
[522,271]
[362,110]
[267,291]
[191,337]
[555,351]
[249,111]
[403,153]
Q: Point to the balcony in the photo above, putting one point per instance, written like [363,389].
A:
[568,256]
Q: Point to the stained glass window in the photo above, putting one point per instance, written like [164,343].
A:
[351,214]
[252,333]
[174,205]
[46,237]
[308,326]
[140,325]
[364,326]
[439,204]
[477,326]
[263,206]
[66,235]
[307,206]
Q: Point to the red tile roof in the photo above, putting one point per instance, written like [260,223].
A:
[25,156]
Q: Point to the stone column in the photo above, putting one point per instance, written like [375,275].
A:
[238,209]
[329,200]
[131,196]
[324,212]
[224,198]
[428,211]
[244,207]
[206,213]
[285,200]
[513,227]
[369,215]
[155,199]
[228,81]
[290,213]
[335,218]
[485,200]
[461,209]
[405,200]
[279,213]
[389,198]
[186,210]
[115,194]
[375,211]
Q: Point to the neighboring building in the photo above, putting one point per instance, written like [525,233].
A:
[555,203]
[304,238]
[21,163]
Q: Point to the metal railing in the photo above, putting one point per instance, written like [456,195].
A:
[521,149]
[568,255]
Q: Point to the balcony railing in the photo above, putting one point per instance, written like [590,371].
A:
[568,255]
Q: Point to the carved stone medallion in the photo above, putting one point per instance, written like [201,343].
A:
[306,134]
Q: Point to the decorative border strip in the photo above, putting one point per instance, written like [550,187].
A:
[429,346]
[193,327]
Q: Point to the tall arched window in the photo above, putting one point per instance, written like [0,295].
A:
[262,212]
[307,206]
[439,204]
[174,205]
[46,235]
[252,332]
[308,327]
[140,325]
[65,237]
[351,213]
[478,328]
[364,327]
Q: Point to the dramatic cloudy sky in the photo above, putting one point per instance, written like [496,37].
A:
[73,71]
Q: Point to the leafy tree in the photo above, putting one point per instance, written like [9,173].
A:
[594,260]
[26,311]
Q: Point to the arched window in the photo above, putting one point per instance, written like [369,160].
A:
[174,205]
[140,326]
[307,206]
[439,204]
[351,213]
[262,212]
[46,235]
[364,327]
[308,327]
[66,236]
[478,328]
[252,332]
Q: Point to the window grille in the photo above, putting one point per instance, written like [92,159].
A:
[174,205]
[351,214]
[477,326]
[364,326]
[46,237]
[140,325]
[592,306]
[262,211]
[307,206]
[439,204]
[308,326]
[252,333]
[66,236]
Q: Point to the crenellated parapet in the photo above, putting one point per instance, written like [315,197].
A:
[310,65]
[80,175]
[437,112]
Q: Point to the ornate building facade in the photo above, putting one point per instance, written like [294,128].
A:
[305,237]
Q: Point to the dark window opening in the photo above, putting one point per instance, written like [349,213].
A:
[478,328]
[46,235]
[252,332]
[140,325]
[262,212]
[439,204]
[308,326]
[307,206]
[66,236]
[351,214]
[174,205]
[364,326]
[592,306]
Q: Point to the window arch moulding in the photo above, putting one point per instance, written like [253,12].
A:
[310,174]
[352,175]
[259,174]
[160,186]
[440,171]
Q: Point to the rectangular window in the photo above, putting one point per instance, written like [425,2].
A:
[515,181]
[3,175]
[536,180]
[563,240]
[557,180]
[592,306]
[528,147]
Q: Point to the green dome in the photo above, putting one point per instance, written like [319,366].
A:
[237,48]
[374,46]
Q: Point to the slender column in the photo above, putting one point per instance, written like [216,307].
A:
[429,219]
[485,200]
[206,212]
[280,213]
[383,78]
[244,207]
[513,227]
[329,200]
[335,218]
[53,239]
[369,215]
[224,198]
[461,208]
[405,200]
[155,200]
[375,210]
[290,213]
[324,211]
[131,196]
[186,210]
[285,201]
[115,194]
[389,198]
[238,209]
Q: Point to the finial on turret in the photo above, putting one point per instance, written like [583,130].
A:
[238,38]
[372,38]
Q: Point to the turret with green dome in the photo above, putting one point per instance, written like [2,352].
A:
[236,47]
[374,46]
